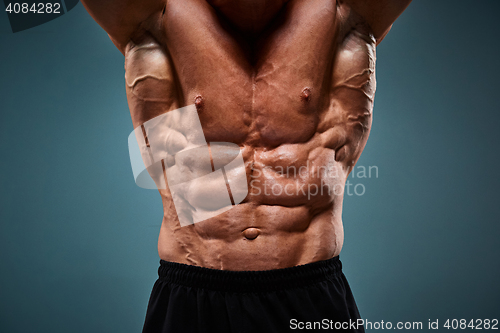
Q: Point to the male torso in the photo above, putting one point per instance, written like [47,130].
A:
[292,83]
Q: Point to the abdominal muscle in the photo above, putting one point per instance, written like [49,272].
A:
[291,215]
[308,239]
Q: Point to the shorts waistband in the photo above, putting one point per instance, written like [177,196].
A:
[249,281]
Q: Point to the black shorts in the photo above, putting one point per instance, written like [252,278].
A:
[189,299]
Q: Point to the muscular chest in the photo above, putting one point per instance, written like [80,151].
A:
[279,87]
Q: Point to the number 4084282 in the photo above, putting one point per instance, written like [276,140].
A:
[36,8]
[478,324]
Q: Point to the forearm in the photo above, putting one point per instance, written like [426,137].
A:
[122,18]
[378,14]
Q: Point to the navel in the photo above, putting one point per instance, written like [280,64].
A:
[251,233]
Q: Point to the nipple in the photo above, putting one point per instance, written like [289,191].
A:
[306,94]
[198,102]
[251,233]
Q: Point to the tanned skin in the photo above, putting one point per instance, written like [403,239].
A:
[291,82]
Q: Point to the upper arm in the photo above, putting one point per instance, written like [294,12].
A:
[378,14]
[122,18]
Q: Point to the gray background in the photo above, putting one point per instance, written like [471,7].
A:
[78,237]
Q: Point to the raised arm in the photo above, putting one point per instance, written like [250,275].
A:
[379,14]
[122,18]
